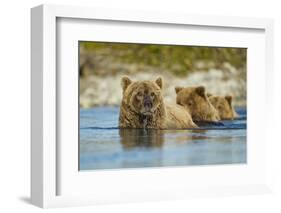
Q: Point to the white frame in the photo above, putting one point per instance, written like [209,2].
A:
[43,122]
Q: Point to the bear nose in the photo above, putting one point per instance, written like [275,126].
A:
[147,102]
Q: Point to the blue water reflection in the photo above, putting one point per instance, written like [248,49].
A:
[104,146]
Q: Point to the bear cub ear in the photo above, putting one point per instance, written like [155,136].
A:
[159,82]
[125,82]
[200,91]
[178,89]
[229,99]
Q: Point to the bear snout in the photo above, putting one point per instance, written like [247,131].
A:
[147,103]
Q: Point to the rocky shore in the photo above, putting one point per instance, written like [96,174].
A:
[96,90]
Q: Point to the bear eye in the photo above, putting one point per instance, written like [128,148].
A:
[139,94]
[179,103]
[189,103]
[152,94]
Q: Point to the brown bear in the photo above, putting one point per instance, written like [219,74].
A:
[223,104]
[196,102]
[143,106]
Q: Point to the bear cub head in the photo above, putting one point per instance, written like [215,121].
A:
[196,102]
[223,104]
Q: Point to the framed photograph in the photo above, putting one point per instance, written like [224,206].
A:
[129,106]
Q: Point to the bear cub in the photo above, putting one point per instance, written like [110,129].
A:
[196,102]
[224,106]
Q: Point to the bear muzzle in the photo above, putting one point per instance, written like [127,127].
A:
[147,105]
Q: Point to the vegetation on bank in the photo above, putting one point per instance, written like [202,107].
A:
[179,60]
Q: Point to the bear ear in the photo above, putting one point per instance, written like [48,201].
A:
[178,89]
[229,99]
[159,82]
[200,91]
[125,82]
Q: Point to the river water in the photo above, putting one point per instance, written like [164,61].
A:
[103,145]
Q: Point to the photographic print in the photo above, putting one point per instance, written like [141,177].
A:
[155,105]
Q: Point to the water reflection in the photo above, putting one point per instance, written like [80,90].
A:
[104,146]
[151,138]
[131,138]
[185,136]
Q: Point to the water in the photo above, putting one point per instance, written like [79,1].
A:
[104,146]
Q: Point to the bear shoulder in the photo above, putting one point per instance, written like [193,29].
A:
[178,117]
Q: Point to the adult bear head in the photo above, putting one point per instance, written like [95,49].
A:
[142,103]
